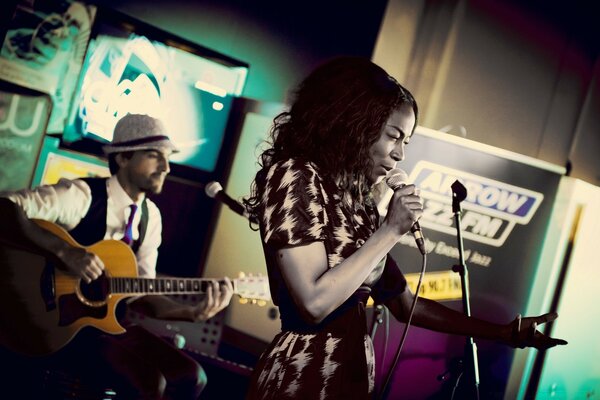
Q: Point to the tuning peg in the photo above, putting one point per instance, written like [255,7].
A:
[261,303]
[243,300]
[241,274]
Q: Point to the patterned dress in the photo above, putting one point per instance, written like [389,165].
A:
[333,359]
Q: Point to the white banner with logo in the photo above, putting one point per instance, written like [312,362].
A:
[503,219]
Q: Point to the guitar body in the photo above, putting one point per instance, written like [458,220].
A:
[42,308]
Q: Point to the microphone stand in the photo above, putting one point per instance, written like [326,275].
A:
[459,193]
[377,319]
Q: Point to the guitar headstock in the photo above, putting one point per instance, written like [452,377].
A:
[252,289]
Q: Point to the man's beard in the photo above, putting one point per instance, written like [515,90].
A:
[152,187]
[152,190]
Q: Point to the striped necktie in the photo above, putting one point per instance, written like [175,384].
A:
[128,236]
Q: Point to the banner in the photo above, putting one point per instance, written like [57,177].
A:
[503,219]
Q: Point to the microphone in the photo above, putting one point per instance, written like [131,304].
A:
[214,190]
[396,179]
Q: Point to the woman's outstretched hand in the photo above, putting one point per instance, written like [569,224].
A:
[524,332]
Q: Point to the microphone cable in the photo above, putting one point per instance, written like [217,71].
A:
[402,340]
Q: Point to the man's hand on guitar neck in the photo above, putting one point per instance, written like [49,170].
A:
[217,297]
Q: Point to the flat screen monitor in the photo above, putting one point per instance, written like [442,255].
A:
[132,67]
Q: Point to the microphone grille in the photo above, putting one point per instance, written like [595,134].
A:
[212,188]
[396,178]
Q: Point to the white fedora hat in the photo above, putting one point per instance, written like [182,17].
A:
[139,132]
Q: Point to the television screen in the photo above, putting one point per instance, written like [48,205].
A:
[131,67]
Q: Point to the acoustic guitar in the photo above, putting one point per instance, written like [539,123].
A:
[42,308]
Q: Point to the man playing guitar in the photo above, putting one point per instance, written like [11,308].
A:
[137,363]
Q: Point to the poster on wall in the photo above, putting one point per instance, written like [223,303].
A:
[504,219]
[23,120]
[43,50]
[55,163]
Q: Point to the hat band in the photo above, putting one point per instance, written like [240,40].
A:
[136,142]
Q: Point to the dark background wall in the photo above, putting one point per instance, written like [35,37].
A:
[518,75]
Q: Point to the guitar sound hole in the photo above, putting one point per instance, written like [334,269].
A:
[97,290]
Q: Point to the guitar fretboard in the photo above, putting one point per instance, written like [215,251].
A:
[157,286]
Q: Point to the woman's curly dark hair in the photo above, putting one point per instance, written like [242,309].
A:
[338,113]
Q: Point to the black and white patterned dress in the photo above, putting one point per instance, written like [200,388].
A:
[334,359]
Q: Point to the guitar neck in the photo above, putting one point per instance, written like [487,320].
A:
[149,286]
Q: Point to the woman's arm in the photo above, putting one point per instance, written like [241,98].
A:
[429,314]
[317,290]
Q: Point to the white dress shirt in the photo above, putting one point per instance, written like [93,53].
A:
[68,201]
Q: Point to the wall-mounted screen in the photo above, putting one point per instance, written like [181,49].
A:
[131,67]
